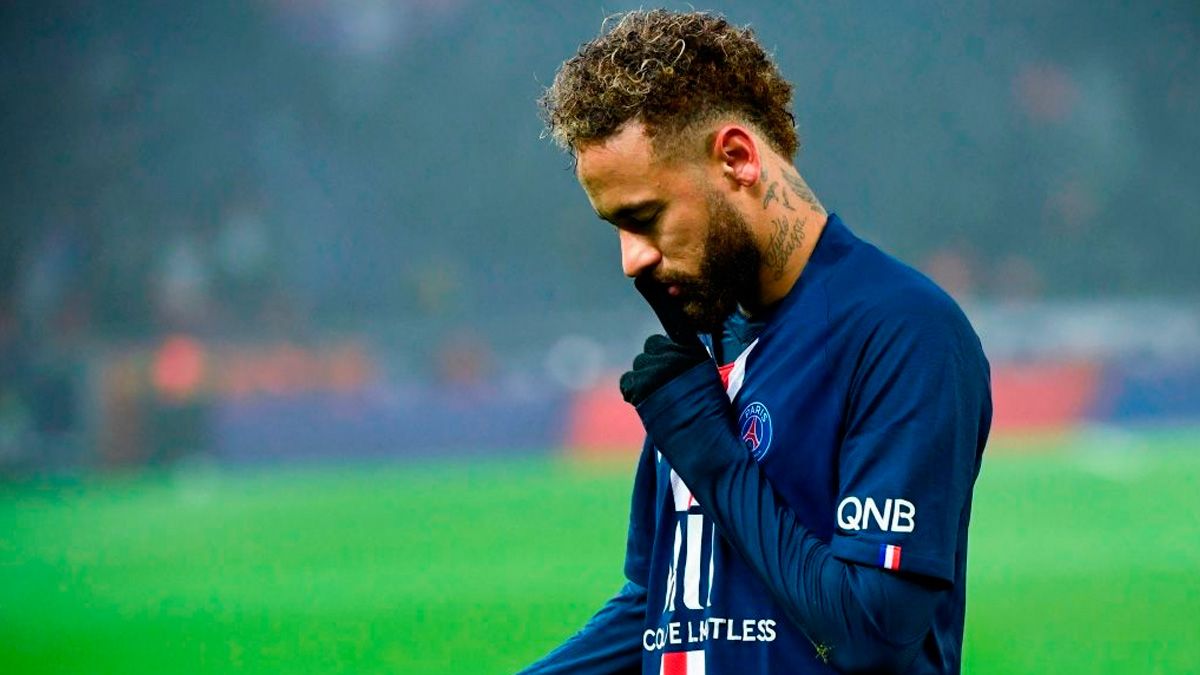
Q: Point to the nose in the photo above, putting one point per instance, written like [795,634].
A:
[638,254]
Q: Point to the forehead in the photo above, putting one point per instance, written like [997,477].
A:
[623,169]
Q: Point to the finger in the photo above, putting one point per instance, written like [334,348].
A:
[668,310]
[628,384]
[643,361]
[656,343]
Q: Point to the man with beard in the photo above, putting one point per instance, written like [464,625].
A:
[815,415]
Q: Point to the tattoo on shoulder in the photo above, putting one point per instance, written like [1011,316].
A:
[787,235]
[801,190]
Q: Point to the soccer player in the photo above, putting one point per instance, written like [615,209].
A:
[816,413]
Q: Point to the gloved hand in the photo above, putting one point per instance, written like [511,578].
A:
[662,360]
[678,392]
[668,310]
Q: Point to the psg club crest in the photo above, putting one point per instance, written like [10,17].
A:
[756,431]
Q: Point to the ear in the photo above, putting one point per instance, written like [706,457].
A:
[735,148]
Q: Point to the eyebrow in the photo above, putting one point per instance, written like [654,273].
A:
[629,210]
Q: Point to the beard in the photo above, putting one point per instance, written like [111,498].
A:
[729,269]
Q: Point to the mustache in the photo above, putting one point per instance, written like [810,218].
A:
[673,279]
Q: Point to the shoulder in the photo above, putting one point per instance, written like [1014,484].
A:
[882,308]
[873,290]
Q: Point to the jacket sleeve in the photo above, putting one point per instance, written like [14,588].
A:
[609,644]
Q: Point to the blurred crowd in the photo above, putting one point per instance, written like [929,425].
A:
[287,170]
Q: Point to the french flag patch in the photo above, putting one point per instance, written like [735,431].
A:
[889,557]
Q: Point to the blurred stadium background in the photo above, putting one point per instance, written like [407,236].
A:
[308,343]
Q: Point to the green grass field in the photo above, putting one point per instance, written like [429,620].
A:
[1083,560]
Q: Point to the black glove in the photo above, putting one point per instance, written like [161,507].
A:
[661,360]
[668,310]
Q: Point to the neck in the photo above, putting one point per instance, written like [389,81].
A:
[788,226]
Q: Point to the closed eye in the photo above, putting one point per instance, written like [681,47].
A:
[635,217]
[641,223]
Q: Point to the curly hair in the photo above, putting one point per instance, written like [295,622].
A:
[670,71]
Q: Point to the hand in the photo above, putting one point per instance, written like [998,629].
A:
[678,393]
[661,360]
